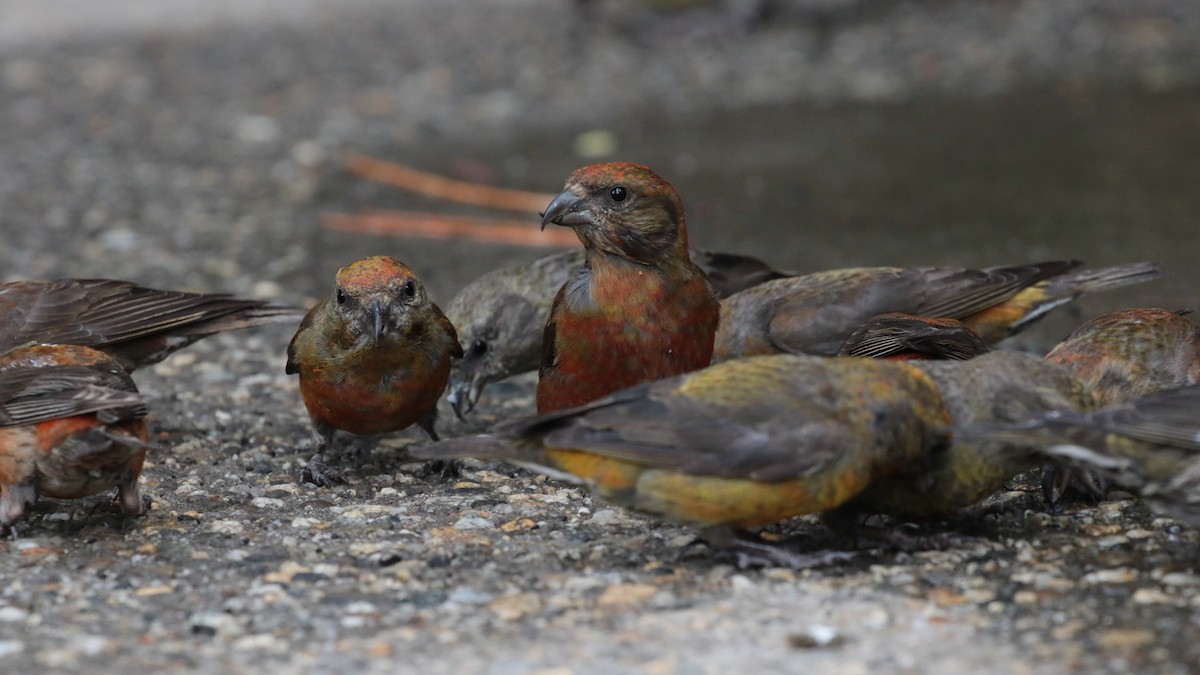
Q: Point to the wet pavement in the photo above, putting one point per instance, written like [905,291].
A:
[199,152]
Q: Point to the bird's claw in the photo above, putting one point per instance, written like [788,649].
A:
[319,473]
[444,470]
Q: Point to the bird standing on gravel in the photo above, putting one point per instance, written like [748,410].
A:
[71,425]
[639,309]
[737,445]
[373,357]
[750,441]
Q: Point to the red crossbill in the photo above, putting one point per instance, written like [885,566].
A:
[1130,353]
[1000,386]
[639,309]
[501,316]
[373,357]
[1015,314]
[138,326]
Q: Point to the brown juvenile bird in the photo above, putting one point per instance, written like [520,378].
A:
[639,309]
[138,326]
[816,313]
[1149,445]
[71,425]
[373,357]
[907,337]
[1121,356]
[736,445]
[997,387]
[501,316]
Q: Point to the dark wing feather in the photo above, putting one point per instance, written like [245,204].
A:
[892,334]
[815,313]
[972,291]
[29,395]
[102,312]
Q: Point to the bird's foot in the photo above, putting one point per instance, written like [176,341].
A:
[1062,483]
[441,470]
[321,474]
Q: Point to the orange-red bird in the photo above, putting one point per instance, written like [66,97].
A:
[639,309]
[501,316]
[138,326]
[373,357]
[71,425]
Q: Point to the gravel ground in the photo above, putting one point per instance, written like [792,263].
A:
[196,148]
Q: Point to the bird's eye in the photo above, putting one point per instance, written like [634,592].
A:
[340,296]
[618,193]
[410,289]
[479,347]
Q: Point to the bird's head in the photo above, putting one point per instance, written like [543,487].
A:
[622,209]
[377,297]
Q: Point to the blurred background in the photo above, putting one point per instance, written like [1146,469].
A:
[198,144]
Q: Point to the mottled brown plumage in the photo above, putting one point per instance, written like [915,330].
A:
[1122,356]
[1131,353]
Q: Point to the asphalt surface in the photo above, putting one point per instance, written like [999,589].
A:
[197,147]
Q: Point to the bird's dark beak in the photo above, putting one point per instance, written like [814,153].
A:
[464,389]
[567,210]
[377,314]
